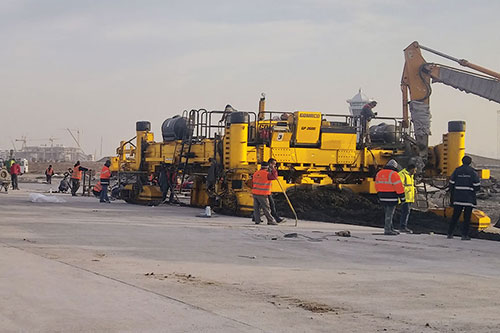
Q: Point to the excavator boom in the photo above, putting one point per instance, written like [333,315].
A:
[416,85]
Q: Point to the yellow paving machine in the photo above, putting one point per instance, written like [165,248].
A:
[220,150]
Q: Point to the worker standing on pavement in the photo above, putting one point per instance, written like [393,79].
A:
[390,190]
[464,183]
[172,183]
[15,171]
[49,173]
[407,177]
[367,114]
[105,176]
[76,176]
[272,205]
[261,190]
[162,182]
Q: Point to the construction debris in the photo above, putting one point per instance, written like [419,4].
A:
[37,197]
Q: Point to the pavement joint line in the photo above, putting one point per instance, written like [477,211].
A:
[135,286]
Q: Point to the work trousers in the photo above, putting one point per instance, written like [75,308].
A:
[171,188]
[14,182]
[457,210]
[104,193]
[261,202]
[49,179]
[405,215]
[389,214]
[272,205]
[75,185]
[365,128]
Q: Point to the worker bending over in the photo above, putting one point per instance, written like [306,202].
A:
[464,183]
[261,191]
[390,190]
[407,177]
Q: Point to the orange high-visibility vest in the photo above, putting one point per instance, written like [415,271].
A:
[77,173]
[389,186]
[105,173]
[49,172]
[98,187]
[261,185]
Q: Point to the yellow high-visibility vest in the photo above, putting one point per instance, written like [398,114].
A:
[409,185]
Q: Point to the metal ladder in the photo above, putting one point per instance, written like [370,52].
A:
[186,145]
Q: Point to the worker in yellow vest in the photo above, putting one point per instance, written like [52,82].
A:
[408,180]
[261,190]
[76,176]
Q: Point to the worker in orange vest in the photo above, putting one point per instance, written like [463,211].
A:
[76,176]
[49,173]
[261,190]
[390,191]
[105,176]
[97,189]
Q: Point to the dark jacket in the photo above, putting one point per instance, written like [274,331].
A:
[367,112]
[464,183]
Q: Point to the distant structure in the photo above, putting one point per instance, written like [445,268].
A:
[49,154]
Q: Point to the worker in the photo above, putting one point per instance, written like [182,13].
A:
[227,113]
[407,177]
[261,190]
[464,183]
[104,179]
[76,176]
[15,171]
[97,189]
[390,190]
[367,114]
[49,172]
[272,205]
[212,175]
[168,181]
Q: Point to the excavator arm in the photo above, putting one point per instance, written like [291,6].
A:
[416,89]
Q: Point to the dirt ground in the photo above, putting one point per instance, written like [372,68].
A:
[38,168]
[329,204]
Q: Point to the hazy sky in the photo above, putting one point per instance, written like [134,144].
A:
[100,66]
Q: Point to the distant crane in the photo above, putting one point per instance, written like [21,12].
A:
[13,144]
[23,140]
[77,138]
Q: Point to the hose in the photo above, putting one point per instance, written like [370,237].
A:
[289,203]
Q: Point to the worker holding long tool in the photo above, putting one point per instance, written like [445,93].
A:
[76,176]
[261,190]
[272,169]
[390,190]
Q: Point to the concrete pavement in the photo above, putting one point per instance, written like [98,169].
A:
[93,265]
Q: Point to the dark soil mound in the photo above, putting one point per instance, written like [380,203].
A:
[329,204]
